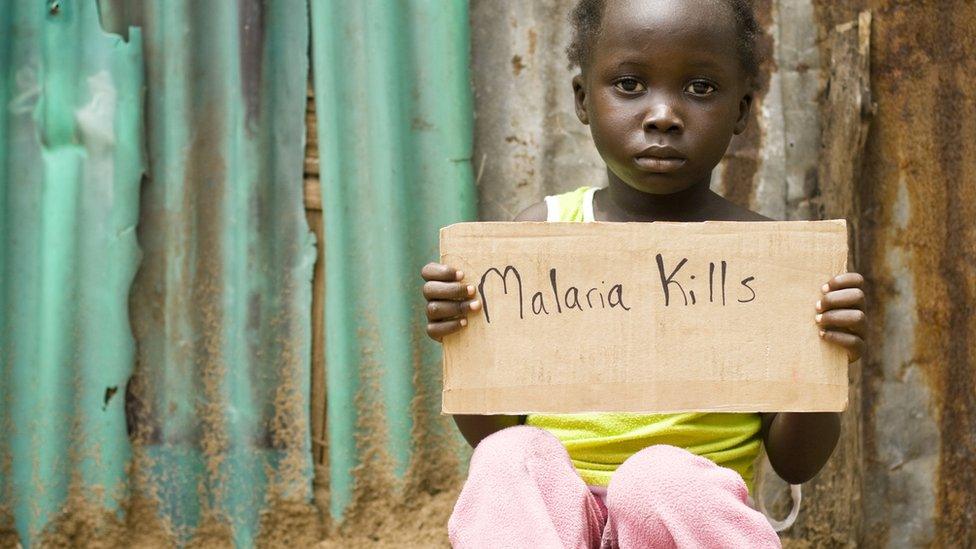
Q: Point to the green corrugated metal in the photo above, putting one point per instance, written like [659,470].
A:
[70,165]
[395,136]
[187,137]
[220,308]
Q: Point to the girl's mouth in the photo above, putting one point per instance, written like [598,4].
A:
[656,164]
[659,158]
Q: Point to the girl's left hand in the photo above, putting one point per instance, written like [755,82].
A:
[840,313]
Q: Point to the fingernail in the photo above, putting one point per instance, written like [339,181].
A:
[470,290]
[819,318]
[464,322]
[460,275]
[822,333]
[475,305]
[819,305]
[825,288]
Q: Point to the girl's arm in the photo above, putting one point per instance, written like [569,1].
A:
[799,444]
[474,428]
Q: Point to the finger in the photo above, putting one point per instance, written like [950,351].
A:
[849,298]
[841,281]
[848,320]
[851,342]
[447,290]
[441,310]
[441,272]
[438,330]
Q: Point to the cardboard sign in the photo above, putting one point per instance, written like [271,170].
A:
[644,317]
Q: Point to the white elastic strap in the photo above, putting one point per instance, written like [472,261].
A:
[779,525]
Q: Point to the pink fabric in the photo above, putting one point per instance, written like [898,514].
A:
[522,491]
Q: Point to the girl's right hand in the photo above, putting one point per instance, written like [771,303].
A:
[448,300]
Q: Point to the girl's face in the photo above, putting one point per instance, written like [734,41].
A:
[663,91]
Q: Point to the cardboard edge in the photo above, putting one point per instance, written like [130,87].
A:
[827,225]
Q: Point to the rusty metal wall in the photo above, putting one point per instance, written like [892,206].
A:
[219,310]
[528,142]
[918,246]
[911,445]
[169,406]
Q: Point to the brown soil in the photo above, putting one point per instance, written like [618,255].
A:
[83,522]
[8,536]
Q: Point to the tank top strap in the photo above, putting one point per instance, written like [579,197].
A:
[576,205]
[588,216]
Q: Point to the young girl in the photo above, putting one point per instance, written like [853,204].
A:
[663,85]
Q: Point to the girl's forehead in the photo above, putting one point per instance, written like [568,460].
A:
[637,20]
[650,27]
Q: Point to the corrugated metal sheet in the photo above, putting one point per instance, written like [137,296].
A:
[394,119]
[71,160]
[221,306]
[217,409]
[528,141]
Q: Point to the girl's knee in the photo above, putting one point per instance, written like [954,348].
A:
[514,445]
[661,473]
[666,493]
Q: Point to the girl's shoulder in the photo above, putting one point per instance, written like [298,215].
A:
[535,212]
[568,206]
[723,209]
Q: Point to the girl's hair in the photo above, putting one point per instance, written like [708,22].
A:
[588,14]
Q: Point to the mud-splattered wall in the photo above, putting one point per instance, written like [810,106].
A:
[394,120]
[170,406]
[911,479]
[187,140]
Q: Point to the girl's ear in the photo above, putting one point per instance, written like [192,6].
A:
[579,95]
[745,105]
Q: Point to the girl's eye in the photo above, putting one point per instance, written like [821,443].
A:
[629,85]
[700,87]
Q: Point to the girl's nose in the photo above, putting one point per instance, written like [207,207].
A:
[661,117]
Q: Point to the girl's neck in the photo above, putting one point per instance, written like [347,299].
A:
[621,202]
